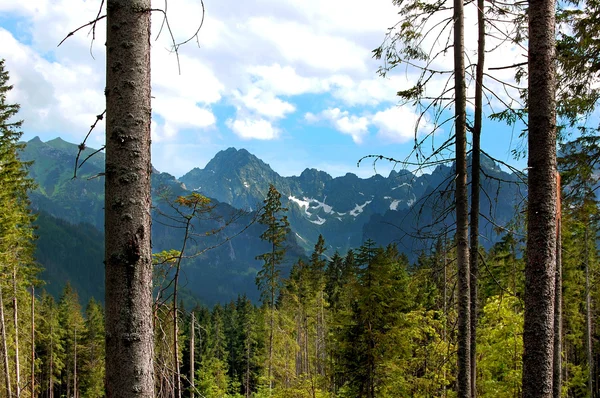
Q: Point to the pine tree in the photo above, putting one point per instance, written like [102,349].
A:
[72,324]
[269,277]
[17,267]
[92,357]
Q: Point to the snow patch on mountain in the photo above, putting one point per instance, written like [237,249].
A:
[358,209]
[326,208]
[318,221]
[299,237]
[311,204]
[303,204]
[401,185]
[394,204]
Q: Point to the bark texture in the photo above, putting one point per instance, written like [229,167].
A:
[538,333]
[129,335]
[4,348]
[475,190]
[557,376]
[462,207]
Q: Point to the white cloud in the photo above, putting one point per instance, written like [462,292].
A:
[54,98]
[285,80]
[393,125]
[248,129]
[355,126]
[399,124]
[299,43]
[264,103]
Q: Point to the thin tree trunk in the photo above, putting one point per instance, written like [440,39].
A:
[462,208]
[475,191]
[444,332]
[272,317]
[75,392]
[538,328]
[557,376]
[192,354]
[51,376]
[4,348]
[128,258]
[16,325]
[588,314]
[247,379]
[32,341]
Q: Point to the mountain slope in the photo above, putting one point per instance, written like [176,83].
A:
[345,210]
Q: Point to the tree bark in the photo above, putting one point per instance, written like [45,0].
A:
[462,210]
[475,191]
[4,348]
[75,392]
[588,314]
[192,354]
[557,376]
[538,329]
[32,341]
[16,326]
[51,375]
[128,257]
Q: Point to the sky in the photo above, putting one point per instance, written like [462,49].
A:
[294,82]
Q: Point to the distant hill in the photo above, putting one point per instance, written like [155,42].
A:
[345,210]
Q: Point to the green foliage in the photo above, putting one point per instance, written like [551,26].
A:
[500,347]
[92,355]
[268,278]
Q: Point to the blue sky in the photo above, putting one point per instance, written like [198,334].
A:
[291,81]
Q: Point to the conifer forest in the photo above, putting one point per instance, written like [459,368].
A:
[497,295]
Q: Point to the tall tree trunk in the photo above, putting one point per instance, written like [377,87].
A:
[16,326]
[129,335]
[462,207]
[75,392]
[192,354]
[247,378]
[32,341]
[4,348]
[588,313]
[444,332]
[557,376]
[51,375]
[475,191]
[538,328]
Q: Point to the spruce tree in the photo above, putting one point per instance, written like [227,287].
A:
[17,267]
[269,277]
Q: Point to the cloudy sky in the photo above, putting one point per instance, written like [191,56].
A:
[292,81]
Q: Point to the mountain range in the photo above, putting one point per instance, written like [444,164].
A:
[405,208]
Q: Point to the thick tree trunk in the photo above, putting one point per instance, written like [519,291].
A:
[462,208]
[538,329]
[557,367]
[4,348]
[475,191]
[129,337]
